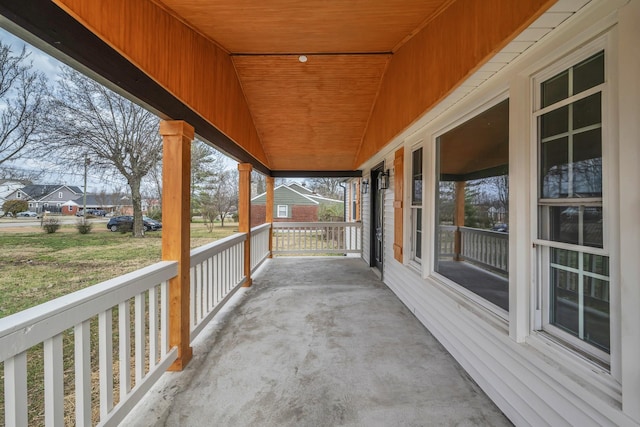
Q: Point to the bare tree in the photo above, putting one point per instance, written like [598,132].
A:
[113,133]
[327,187]
[23,95]
[207,165]
[220,198]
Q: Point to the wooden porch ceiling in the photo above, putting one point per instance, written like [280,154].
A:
[373,66]
[311,115]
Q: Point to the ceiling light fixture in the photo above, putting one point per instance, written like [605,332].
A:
[302,58]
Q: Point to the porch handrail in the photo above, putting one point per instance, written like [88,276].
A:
[317,237]
[486,247]
[46,323]
[259,245]
[216,273]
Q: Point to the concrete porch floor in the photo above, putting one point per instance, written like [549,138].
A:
[317,342]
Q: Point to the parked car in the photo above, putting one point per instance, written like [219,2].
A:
[125,222]
[502,228]
[94,212]
[27,214]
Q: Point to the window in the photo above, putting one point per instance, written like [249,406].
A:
[19,195]
[60,195]
[416,205]
[283,211]
[472,207]
[354,198]
[571,224]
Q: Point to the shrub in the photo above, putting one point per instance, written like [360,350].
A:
[83,227]
[51,225]
[15,206]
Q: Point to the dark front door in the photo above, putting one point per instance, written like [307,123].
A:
[377,218]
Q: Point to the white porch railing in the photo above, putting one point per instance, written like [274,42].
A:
[487,248]
[217,271]
[71,317]
[317,237]
[259,245]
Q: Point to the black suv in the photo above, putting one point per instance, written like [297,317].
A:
[125,223]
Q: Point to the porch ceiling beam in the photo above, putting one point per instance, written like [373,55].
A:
[40,21]
[316,174]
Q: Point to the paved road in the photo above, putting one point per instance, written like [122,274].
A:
[34,222]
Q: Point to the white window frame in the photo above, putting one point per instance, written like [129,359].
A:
[286,211]
[60,194]
[542,263]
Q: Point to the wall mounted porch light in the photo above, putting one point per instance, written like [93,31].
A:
[365,186]
[383,180]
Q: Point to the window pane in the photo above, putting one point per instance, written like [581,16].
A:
[555,89]
[416,181]
[588,74]
[564,313]
[587,166]
[473,213]
[555,122]
[592,227]
[574,224]
[587,112]
[597,264]
[418,235]
[555,170]
[565,258]
[596,312]
[564,224]
[580,298]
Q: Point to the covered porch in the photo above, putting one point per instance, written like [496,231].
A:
[317,341]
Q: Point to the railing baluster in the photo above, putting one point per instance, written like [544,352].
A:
[124,344]
[82,361]
[164,319]
[105,340]
[193,319]
[140,337]
[15,390]
[53,382]
[153,328]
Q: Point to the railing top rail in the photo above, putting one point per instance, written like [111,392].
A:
[316,224]
[498,234]
[261,227]
[29,327]
[200,254]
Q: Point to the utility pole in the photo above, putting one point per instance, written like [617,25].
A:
[84,196]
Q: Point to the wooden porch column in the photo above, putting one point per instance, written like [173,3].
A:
[176,181]
[244,212]
[269,212]
[459,219]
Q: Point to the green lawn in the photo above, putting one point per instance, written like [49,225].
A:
[37,267]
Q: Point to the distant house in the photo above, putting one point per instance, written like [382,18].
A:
[7,187]
[291,203]
[46,197]
[105,202]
